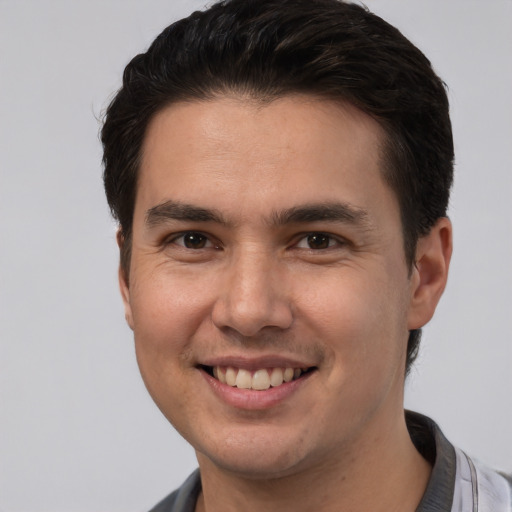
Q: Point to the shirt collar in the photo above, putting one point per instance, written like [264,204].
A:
[435,448]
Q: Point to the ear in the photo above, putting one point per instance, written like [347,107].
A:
[124,283]
[430,272]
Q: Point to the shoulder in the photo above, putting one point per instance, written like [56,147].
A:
[182,499]
[492,490]
[167,504]
[458,483]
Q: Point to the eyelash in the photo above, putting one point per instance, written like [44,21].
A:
[332,241]
[174,240]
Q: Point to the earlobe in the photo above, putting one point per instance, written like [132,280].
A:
[124,284]
[430,272]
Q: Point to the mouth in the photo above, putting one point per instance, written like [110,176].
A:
[259,379]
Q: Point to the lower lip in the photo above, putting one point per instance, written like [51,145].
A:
[251,399]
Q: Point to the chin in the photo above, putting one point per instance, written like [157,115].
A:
[255,460]
[255,470]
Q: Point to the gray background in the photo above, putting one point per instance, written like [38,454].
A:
[78,431]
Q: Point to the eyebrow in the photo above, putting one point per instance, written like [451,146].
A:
[324,212]
[172,210]
[308,213]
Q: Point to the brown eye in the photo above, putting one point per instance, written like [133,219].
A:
[193,240]
[318,241]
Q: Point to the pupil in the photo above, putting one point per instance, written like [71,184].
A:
[318,241]
[194,241]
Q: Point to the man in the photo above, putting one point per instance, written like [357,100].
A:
[280,171]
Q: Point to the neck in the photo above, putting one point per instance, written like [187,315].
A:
[383,473]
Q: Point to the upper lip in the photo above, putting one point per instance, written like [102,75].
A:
[255,363]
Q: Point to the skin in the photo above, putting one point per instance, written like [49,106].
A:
[252,289]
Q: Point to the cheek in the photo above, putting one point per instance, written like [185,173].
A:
[167,309]
[361,322]
[167,314]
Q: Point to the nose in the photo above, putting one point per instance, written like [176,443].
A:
[253,296]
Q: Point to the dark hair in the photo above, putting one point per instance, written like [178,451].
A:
[266,49]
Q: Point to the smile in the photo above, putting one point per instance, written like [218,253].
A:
[259,380]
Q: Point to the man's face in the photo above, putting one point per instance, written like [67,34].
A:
[264,240]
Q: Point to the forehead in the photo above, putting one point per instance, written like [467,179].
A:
[294,149]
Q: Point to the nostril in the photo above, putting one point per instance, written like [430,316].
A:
[250,320]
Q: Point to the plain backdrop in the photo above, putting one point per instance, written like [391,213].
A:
[78,431]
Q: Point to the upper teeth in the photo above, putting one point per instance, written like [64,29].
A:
[260,379]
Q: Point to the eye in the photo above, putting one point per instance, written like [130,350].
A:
[192,240]
[317,241]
